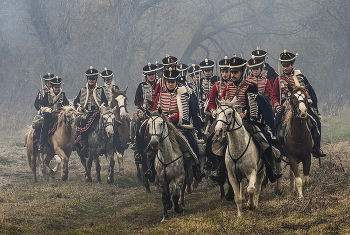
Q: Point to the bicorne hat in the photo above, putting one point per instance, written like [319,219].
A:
[48,76]
[149,69]
[237,63]
[91,73]
[56,82]
[171,75]
[169,61]
[255,62]
[224,64]
[287,58]
[107,74]
[194,69]
[258,53]
[206,65]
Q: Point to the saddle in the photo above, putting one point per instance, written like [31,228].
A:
[37,131]
[84,125]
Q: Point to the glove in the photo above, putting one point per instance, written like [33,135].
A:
[214,113]
[46,110]
[80,109]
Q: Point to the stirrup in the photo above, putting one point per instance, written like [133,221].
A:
[138,158]
[317,153]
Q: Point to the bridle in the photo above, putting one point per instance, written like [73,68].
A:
[222,110]
[152,119]
[301,97]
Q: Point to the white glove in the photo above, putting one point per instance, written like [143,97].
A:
[46,110]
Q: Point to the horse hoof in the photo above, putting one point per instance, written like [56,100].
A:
[110,181]
[88,179]
[278,192]
[164,219]
[168,206]
[178,209]
[64,177]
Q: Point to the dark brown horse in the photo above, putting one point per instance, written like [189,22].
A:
[298,140]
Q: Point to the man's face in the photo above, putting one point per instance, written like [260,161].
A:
[160,74]
[151,77]
[92,81]
[225,74]
[48,84]
[208,73]
[196,77]
[170,85]
[56,89]
[108,81]
[236,75]
[256,71]
[287,68]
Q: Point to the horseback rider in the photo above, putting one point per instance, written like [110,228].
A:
[47,78]
[159,70]
[255,111]
[143,101]
[168,62]
[267,71]
[281,94]
[216,94]
[51,104]
[206,83]
[194,72]
[177,105]
[108,87]
[88,101]
[256,66]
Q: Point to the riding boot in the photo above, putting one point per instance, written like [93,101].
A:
[316,150]
[219,174]
[198,173]
[150,174]
[43,134]
[270,165]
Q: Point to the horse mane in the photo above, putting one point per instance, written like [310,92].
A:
[61,115]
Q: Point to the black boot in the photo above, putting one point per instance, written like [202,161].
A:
[270,165]
[316,150]
[43,133]
[198,173]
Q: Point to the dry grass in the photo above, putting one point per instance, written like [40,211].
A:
[77,207]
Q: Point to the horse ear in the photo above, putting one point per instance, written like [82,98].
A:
[233,102]
[160,110]
[126,89]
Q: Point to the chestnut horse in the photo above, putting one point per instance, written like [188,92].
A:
[298,140]
[61,144]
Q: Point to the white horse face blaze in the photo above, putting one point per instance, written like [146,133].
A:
[302,106]
[121,102]
[108,120]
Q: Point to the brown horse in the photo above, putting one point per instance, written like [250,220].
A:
[298,140]
[119,99]
[60,143]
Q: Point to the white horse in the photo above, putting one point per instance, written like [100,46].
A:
[242,155]
[169,161]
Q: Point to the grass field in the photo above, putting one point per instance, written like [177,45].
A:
[77,207]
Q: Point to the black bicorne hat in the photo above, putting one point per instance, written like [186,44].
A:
[237,63]
[48,76]
[194,69]
[107,74]
[91,73]
[207,65]
[169,61]
[224,64]
[56,82]
[258,53]
[159,66]
[287,58]
[149,69]
[171,75]
[182,69]
[255,62]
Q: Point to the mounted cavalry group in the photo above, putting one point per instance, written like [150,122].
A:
[235,126]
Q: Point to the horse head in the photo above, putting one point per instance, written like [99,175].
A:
[156,128]
[226,116]
[299,100]
[120,97]
[107,120]
[68,116]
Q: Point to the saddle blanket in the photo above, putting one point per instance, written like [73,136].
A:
[84,126]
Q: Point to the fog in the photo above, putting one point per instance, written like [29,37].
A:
[65,37]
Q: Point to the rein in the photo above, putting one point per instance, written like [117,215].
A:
[226,122]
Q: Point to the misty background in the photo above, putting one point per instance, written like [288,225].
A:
[65,37]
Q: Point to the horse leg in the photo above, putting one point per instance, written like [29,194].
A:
[166,201]
[251,190]
[179,185]
[58,161]
[157,189]
[306,171]
[32,156]
[258,186]
[110,179]
[298,183]
[230,194]
[46,164]
[237,193]
[144,168]
[98,169]
[189,179]
[40,160]
[65,160]
[278,186]
[88,168]
[120,162]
